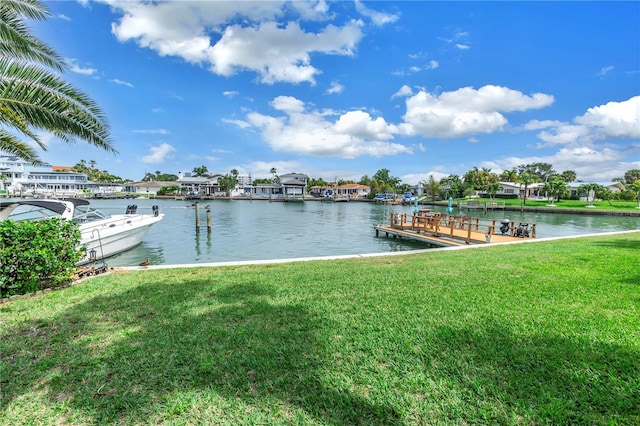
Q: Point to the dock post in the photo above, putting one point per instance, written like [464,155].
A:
[208,221]
[197,217]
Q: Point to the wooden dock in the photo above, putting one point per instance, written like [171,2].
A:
[449,231]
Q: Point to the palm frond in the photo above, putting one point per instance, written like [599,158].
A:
[11,145]
[32,97]
[16,39]
[47,102]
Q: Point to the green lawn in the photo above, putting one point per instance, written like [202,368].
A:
[562,204]
[538,333]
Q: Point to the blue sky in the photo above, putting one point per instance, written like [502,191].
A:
[343,89]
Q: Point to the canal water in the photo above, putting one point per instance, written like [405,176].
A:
[262,230]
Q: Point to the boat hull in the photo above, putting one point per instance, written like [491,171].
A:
[114,235]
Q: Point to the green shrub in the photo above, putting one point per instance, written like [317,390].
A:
[35,255]
[167,190]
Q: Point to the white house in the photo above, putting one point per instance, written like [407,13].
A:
[23,178]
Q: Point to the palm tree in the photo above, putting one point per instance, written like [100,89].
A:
[555,187]
[526,178]
[33,97]
[431,187]
[635,187]
[492,188]
[200,171]
[509,175]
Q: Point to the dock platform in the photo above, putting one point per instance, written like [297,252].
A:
[449,231]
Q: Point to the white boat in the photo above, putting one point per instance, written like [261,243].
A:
[102,234]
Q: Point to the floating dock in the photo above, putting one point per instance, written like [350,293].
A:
[449,231]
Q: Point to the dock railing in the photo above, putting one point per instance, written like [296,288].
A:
[461,227]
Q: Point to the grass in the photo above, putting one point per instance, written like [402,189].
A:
[614,205]
[537,333]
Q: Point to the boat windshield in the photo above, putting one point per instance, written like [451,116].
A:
[22,213]
[88,214]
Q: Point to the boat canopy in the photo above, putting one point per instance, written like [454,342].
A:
[59,207]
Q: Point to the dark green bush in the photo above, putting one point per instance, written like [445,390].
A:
[167,190]
[35,255]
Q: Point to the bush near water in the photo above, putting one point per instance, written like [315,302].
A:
[35,255]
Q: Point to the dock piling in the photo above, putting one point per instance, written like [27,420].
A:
[197,217]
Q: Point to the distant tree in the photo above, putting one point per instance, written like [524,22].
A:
[543,171]
[598,190]
[432,187]
[262,181]
[201,171]
[479,179]
[365,180]
[311,182]
[345,182]
[167,177]
[34,97]
[454,184]
[383,175]
[96,175]
[227,183]
[568,176]
[274,172]
[526,178]
[630,176]
[81,167]
[404,188]
[509,175]
[377,187]
[492,189]
[390,182]
[555,187]
[635,187]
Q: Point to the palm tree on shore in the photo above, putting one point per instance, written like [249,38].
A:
[33,97]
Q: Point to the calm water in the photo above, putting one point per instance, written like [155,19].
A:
[257,230]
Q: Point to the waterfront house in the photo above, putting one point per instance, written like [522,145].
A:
[149,188]
[21,178]
[349,190]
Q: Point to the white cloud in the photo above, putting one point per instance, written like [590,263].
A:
[403,92]
[152,131]
[231,37]
[121,82]
[158,153]
[614,120]
[336,88]
[74,67]
[230,94]
[352,134]
[605,70]
[377,18]
[432,65]
[462,46]
[466,111]
[279,54]
[239,123]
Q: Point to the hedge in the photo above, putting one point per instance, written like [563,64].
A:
[35,255]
